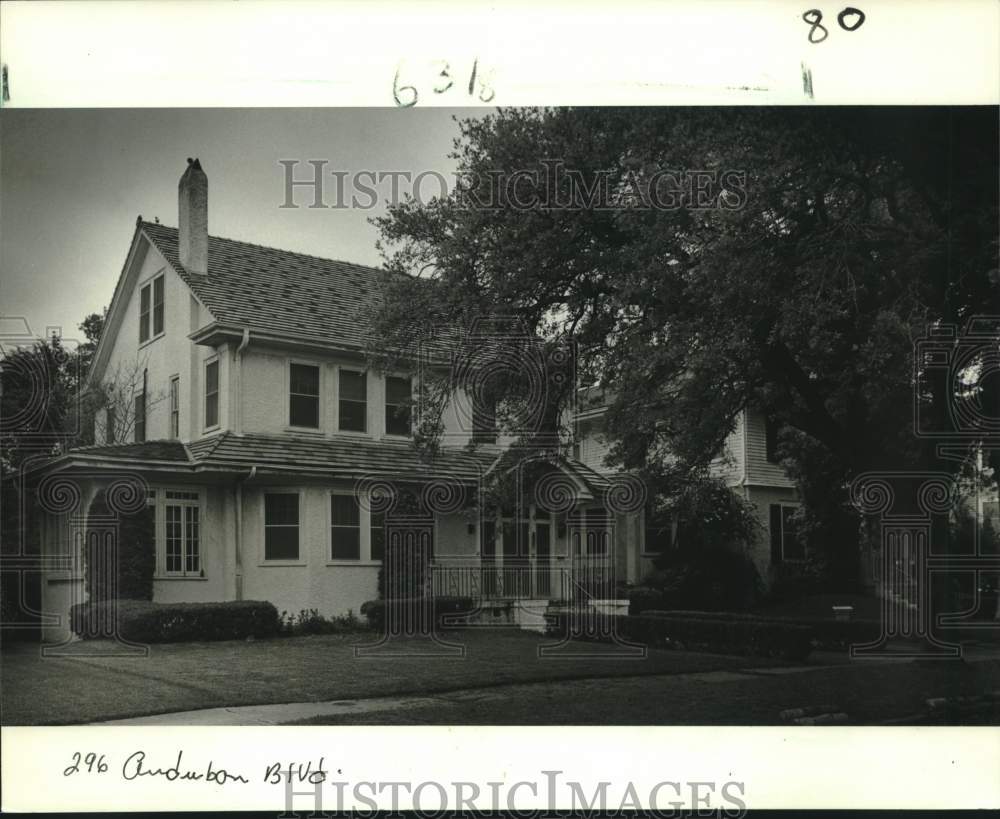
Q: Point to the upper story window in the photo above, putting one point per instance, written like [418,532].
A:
[212,394]
[175,407]
[151,309]
[303,395]
[353,403]
[281,526]
[398,401]
[139,419]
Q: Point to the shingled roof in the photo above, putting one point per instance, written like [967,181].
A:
[338,456]
[279,291]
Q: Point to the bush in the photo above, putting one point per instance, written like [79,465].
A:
[134,558]
[705,631]
[310,621]
[643,598]
[407,609]
[141,621]
[711,579]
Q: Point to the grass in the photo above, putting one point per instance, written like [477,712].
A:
[868,692]
[92,685]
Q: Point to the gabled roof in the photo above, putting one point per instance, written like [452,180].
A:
[278,291]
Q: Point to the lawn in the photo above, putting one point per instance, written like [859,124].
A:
[869,693]
[176,677]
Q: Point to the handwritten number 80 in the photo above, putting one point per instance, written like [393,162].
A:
[818,32]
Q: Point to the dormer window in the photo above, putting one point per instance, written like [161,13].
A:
[151,309]
[398,399]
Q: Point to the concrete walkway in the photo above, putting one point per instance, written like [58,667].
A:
[284,713]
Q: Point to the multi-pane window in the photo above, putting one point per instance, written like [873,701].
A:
[182,533]
[281,526]
[139,417]
[144,304]
[151,309]
[398,400]
[211,394]
[175,407]
[157,305]
[303,395]
[353,403]
[345,528]
[786,543]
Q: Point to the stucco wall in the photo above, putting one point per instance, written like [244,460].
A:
[164,356]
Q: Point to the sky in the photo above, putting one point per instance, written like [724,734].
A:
[73,181]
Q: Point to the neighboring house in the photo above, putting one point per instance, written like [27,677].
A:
[748,465]
[265,443]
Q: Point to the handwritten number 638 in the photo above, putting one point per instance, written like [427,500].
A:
[850,19]
[91,763]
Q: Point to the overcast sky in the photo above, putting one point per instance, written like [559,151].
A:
[72,183]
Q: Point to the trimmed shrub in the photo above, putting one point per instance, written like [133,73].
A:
[643,598]
[376,611]
[743,634]
[141,621]
[711,578]
[310,621]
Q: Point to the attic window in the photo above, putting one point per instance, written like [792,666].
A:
[151,309]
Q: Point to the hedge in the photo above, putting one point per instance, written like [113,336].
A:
[738,634]
[141,621]
[408,608]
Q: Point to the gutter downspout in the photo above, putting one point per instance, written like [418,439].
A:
[239,529]
[239,379]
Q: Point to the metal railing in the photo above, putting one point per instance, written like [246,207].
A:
[588,581]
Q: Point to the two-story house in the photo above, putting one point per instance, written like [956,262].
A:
[748,465]
[267,443]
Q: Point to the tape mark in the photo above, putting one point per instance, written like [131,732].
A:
[4,87]
[807,81]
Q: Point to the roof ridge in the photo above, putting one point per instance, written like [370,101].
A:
[275,249]
[218,438]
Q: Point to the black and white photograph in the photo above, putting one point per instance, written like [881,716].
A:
[660,415]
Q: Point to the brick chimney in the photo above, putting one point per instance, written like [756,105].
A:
[192,222]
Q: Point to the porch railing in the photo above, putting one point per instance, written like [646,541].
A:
[524,581]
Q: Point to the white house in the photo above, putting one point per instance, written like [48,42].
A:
[268,449]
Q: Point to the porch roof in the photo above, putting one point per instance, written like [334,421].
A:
[343,456]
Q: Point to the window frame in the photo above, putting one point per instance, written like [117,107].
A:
[385,406]
[207,427]
[139,398]
[364,548]
[365,518]
[157,498]
[148,316]
[320,408]
[280,561]
[174,398]
[781,535]
[357,371]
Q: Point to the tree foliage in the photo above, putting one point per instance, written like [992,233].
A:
[836,239]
